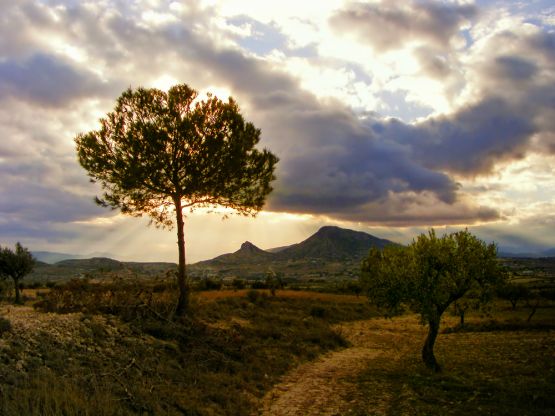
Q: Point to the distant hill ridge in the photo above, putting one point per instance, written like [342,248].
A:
[329,243]
[247,252]
[51,257]
[94,263]
[334,243]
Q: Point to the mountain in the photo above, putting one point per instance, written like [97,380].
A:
[276,249]
[247,253]
[333,243]
[329,244]
[529,255]
[331,252]
[95,263]
[53,257]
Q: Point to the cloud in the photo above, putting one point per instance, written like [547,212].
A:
[433,63]
[48,80]
[332,162]
[518,66]
[391,24]
[335,162]
[469,142]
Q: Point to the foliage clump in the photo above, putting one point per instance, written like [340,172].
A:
[16,265]
[513,292]
[159,153]
[428,276]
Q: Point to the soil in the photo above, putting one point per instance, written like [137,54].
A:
[327,386]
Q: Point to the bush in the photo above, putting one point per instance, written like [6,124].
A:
[131,301]
[238,284]
[5,288]
[253,295]
[318,312]
[256,296]
[259,284]
[548,294]
[513,292]
[210,284]
[5,325]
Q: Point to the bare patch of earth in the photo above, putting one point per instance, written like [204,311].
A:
[327,386]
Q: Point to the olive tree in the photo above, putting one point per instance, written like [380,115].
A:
[160,153]
[16,265]
[513,292]
[428,276]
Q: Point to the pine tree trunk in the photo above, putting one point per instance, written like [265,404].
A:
[183,302]
[428,350]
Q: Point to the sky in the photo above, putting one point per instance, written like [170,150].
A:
[388,116]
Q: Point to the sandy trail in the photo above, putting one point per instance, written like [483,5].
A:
[327,386]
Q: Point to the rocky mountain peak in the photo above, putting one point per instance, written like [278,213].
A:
[248,246]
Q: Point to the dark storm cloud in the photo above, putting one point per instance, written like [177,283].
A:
[391,24]
[519,67]
[22,230]
[47,80]
[514,68]
[333,162]
[544,42]
[38,203]
[469,142]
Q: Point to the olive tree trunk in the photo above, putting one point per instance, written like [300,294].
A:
[183,302]
[428,350]
[17,291]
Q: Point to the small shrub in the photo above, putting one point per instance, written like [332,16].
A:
[253,295]
[318,312]
[210,284]
[238,284]
[160,287]
[513,292]
[5,325]
[259,284]
[547,294]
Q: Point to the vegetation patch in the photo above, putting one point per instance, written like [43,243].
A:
[491,373]
[128,357]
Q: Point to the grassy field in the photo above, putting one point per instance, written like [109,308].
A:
[496,365]
[114,352]
[219,361]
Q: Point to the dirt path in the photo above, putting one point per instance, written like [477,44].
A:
[327,386]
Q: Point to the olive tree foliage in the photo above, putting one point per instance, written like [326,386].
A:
[513,292]
[16,265]
[428,276]
[160,153]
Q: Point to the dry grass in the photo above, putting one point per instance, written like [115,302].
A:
[119,354]
[285,294]
[495,371]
